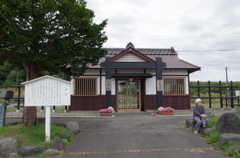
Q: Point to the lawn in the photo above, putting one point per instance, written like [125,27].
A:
[34,135]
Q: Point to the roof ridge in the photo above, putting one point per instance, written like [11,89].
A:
[139,48]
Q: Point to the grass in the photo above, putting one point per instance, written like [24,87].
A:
[11,108]
[34,135]
[213,140]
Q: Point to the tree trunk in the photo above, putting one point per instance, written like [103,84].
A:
[29,117]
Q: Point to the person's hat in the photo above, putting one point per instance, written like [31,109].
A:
[198,100]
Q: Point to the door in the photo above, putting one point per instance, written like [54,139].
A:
[128,96]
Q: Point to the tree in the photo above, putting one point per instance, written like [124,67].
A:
[15,77]
[52,35]
[5,69]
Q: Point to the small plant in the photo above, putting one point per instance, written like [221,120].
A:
[108,110]
[166,109]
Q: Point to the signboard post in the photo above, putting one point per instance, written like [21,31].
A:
[48,123]
[47,91]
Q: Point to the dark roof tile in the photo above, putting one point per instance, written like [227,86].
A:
[146,51]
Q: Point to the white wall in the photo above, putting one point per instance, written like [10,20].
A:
[151,85]
[98,85]
[103,85]
[186,85]
[72,86]
[113,88]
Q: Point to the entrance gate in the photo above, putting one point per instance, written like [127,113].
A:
[129,96]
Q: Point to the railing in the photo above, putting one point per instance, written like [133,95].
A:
[222,98]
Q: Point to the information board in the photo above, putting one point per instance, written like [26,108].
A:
[47,91]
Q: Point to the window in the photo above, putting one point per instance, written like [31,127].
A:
[173,86]
[85,86]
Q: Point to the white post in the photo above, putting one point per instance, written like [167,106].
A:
[47,123]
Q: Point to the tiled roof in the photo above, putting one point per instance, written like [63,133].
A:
[173,62]
[168,55]
[145,51]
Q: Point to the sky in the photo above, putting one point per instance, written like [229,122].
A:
[203,32]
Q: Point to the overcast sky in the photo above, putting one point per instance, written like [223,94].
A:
[205,33]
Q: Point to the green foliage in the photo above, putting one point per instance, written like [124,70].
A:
[11,75]
[213,139]
[52,35]
[232,154]
[34,135]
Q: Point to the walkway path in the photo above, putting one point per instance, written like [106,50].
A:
[133,135]
[137,135]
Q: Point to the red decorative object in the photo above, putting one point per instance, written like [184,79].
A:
[165,113]
[106,114]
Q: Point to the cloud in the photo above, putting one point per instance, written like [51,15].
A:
[191,27]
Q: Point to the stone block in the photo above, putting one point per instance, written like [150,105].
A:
[8,145]
[51,152]
[25,151]
[73,127]
[58,145]
[229,138]
[206,131]
[228,122]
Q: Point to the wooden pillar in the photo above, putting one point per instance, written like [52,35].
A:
[220,90]
[159,95]
[198,89]
[231,93]
[108,82]
[209,95]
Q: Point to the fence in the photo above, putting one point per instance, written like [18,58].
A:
[227,98]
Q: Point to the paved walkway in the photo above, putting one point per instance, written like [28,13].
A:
[138,135]
[135,135]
